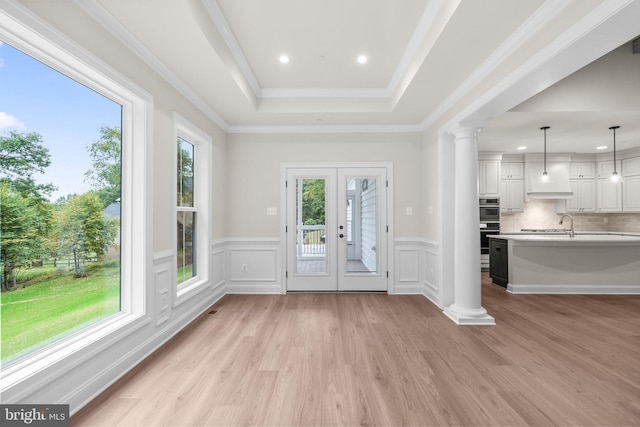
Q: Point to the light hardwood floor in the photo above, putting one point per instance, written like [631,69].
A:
[375,359]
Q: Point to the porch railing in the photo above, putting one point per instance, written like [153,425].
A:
[311,241]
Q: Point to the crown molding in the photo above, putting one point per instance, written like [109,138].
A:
[326,129]
[325,93]
[109,23]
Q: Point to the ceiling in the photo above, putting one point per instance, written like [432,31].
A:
[426,60]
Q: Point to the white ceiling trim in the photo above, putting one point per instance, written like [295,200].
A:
[108,22]
[422,41]
[216,15]
[405,71]
[327,129]
[546,12]
[324,93]
[590,38]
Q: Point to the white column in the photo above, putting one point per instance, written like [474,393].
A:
[467,307]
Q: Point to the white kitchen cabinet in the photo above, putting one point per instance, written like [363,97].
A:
[489,178]
[631,194]
[606,168]
[609,196]
[582,170]
[511,196]
[631,167]
[584,195]
[512,170]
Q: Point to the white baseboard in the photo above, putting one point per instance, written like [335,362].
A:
[574,289]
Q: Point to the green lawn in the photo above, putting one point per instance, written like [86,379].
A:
[57,305]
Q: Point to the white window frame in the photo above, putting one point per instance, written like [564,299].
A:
[201,141]
[25,32]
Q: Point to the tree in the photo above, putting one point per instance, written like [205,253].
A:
[20,240]
[82,228]
[313,201]
[21,155]
[106,159]
[24,209]
[185,173]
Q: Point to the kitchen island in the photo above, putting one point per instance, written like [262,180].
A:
[589,263]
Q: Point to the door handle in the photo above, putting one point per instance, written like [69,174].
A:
[341,235]
[341,227]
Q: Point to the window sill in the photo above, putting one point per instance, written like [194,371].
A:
[189,289]
[85,343]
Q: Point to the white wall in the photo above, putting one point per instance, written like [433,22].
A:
[254,167]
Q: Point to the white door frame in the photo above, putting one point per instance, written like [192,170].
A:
[388,165]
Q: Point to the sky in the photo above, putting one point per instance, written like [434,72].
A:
[68,116]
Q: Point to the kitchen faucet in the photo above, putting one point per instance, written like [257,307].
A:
[572,232]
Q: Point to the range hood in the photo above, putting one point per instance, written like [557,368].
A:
[556,187]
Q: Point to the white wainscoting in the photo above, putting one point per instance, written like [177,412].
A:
[218,264]
[162,280]
[254,266]
[416,268]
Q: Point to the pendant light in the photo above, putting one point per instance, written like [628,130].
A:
[614,175]
[545,176]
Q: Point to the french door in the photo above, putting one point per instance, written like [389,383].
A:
[336,223]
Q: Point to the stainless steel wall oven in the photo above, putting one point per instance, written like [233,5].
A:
[489,224]
[489,210]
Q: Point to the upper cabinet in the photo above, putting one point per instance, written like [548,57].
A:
[512,171]
[512,187]
[583,184]
[631,184]
[605,169]
[609,195]
[582,170]
[489,178]
[584,196]
[511,196]
[631,167]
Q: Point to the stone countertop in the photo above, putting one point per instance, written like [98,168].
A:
[587,238]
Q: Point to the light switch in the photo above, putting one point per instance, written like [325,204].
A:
[409,210]
[272,211]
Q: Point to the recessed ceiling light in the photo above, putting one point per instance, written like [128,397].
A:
[602,147]
[284,59]
[362,59]
[522,148]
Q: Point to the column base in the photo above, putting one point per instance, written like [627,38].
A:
[469,316]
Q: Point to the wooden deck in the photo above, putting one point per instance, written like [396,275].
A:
[320,266]
[375,359]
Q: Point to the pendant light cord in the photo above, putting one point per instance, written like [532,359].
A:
[613,128]
[544,129]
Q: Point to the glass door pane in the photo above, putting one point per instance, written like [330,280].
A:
[361,225]
[362,229]
[311,232]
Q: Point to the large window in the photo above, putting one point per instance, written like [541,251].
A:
[192,189]
[60,185]
[74,151]
[186,212]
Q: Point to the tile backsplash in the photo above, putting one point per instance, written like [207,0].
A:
[542,214]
